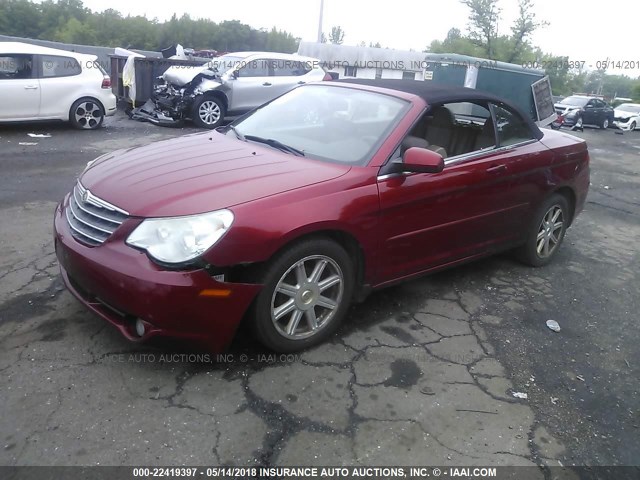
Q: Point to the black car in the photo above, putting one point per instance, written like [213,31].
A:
[579,110]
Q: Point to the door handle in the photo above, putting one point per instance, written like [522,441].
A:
[266,84]
[31,87]
[301,82]
[497,169]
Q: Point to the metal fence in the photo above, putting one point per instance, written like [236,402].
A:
[102,52]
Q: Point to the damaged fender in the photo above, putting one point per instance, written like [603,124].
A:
[177,96]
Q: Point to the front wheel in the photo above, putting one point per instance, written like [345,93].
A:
[632,127]
[208,112]
[307,292]
[86,114]
[605,124]
[546,232]
[579,123]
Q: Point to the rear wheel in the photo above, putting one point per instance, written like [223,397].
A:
[546,232]
[208,112]
[307,291]
[86,114]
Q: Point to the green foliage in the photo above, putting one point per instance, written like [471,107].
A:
[482,40]
[70,22]
[337,35]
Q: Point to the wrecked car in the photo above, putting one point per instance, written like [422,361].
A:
[232,84]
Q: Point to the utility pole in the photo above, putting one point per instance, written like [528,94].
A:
[320,21]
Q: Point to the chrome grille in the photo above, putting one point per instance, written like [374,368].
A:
[92,220]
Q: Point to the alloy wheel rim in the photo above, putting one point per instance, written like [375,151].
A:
[579,122]
[88,115]
[307,297]
[605,124]
[550,232]
[209,112]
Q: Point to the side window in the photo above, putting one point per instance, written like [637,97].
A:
[255,68]
[591,103]
[290,68]
[16,66]
[511,127]
[56,66]
[600,104]
[453,129]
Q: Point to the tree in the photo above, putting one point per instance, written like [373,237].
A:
[70,21]
[523,27]
[483,23]
[635,92]
[456,43]
[337,35]
[75,32]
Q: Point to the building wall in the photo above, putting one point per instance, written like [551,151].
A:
[370,73]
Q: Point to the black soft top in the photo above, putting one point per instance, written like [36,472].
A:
[435,94]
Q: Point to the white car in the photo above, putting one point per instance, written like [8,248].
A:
[627,116]
[39,83]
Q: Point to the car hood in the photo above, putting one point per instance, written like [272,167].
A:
[199,173]
[564,106]
[181,75]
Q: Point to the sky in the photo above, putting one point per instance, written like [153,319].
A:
[581,29]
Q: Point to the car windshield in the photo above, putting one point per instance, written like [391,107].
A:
[330,123]
[629,107]
[224,63]
[574,100]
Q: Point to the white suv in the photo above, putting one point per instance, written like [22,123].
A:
[39,83]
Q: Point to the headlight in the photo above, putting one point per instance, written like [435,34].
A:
[180,239]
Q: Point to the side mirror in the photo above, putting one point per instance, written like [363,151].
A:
[420,160]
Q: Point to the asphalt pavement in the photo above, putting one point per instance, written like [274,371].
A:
[457,368]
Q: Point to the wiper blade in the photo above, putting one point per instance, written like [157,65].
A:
[238,134]
[275,144]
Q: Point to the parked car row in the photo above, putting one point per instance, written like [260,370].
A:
[579,110]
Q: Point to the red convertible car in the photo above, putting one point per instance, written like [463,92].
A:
[284,217]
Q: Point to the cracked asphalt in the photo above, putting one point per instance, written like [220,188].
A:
[420,374]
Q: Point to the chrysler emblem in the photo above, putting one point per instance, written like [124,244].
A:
[85,195]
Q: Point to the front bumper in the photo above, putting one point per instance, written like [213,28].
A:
[120,284]
[622,125]
[569,121]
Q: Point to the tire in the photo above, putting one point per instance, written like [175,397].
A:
[632,127]
[605,124]
[207,112]
[579,123]
[294,311]
[86,114]
[542,244]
